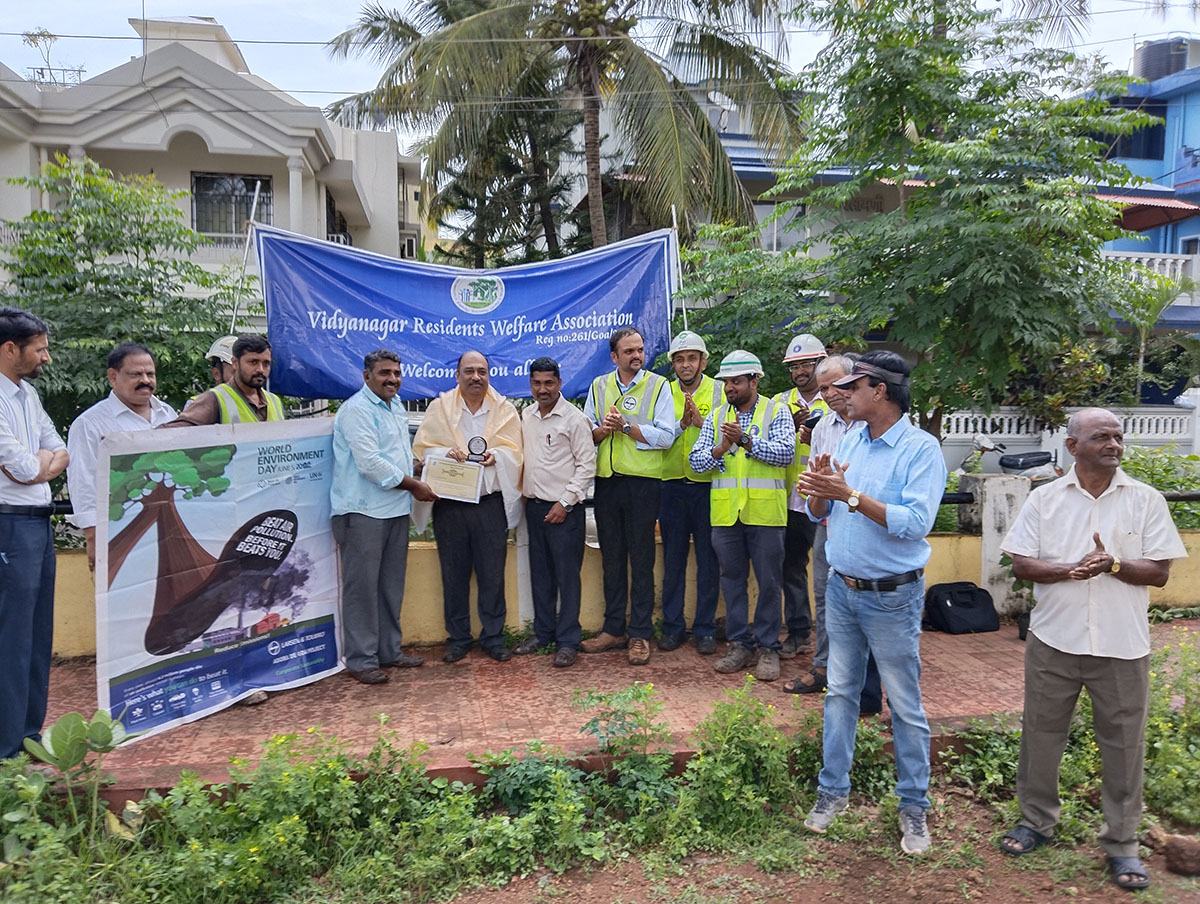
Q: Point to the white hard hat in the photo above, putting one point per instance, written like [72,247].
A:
[738,363]
[687,341]
[222,349]
[804,347]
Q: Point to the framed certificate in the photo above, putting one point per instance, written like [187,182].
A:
[454,479]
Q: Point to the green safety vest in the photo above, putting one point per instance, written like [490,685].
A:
[749,490]
[800,462]
[618,453]
[709,396]
[236,410]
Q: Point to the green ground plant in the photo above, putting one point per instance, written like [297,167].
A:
[1167,469]
[309,821]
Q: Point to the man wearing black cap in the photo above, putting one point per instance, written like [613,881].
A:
[880,492]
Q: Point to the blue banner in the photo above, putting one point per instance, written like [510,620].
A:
[328,305]
[216,573]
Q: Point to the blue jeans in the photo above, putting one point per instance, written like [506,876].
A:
[26,627]
[887,624]
[738,547]
[683,510]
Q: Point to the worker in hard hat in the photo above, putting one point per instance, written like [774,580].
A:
[220,359]
[749,444]
[805,404]
[683,506]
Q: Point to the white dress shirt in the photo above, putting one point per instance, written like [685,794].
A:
[109,415]
[1102,616]
[25,429]
[475,424]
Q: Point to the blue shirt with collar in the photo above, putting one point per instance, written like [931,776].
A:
[903,469]
[372,454]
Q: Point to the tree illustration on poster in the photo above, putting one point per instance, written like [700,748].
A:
[193,587]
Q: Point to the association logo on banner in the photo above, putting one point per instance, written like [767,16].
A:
[477,294]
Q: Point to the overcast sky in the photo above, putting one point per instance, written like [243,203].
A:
[283,41]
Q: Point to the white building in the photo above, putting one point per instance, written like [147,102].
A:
[190,112]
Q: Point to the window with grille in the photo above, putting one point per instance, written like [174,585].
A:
[222,202]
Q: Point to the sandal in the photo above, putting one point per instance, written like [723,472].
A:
[1125,867]
[796,686]
[1024,840]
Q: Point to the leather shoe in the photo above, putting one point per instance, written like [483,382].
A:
[565,657]
[369,676]
[639,651]
[793,646]
[527,646]
[736,658]
[603,642]
[669,642]
[706,646]
[499,653]
[455,652]
[403,661]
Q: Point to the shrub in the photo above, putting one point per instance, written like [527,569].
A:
[1165,469]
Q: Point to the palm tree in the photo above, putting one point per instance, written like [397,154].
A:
[1147,298]
[473,59]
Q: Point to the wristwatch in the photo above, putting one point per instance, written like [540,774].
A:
[744,440]
[852,502]
[1115,566]
[627,428]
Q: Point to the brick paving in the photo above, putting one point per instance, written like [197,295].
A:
[477,705]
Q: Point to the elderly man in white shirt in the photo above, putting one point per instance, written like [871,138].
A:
[1093,543]
[31,455]
[130,406]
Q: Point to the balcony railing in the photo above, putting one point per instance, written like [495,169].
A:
[1172,266]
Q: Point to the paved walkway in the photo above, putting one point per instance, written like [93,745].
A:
[478,705]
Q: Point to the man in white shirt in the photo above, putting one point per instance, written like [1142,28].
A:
[560,462]
[1093,543]
[31,455]
[130,406]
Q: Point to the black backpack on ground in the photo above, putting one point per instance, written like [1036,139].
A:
[960,608]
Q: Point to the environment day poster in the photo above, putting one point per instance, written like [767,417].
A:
[216,571]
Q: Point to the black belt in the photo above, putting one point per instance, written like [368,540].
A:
[30,511]
[891,582]
[541,501]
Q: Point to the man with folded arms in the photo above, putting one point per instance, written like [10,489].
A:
[474,535]
[880,493]
[374,484]
[1093,542]
[560,462]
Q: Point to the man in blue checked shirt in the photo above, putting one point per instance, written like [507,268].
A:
[880,492]
[751,442]
[374,484]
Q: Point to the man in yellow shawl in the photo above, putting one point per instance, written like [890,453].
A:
[469,534]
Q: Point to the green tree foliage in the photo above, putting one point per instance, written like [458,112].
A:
[106,262]
[470,60]
[740,296]
[989,257]
[192,471]
[1146,298]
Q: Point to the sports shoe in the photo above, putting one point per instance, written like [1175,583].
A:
[639,651]
[914,830]
[768,665]
[736,658]
[603,642]
[821,816]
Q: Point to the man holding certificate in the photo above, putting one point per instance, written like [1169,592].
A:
[372,495]
[470,442]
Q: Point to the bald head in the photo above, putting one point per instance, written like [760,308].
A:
[1085,417]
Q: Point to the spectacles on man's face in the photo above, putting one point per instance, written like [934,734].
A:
[802,365]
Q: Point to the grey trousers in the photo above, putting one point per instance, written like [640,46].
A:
[374,557]
[820,580]
[1120,691]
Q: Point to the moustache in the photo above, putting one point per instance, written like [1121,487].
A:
[149,386]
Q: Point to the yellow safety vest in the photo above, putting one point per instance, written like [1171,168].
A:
[709,396]
[236,410]
[618,453]
[749,490]
[792,399]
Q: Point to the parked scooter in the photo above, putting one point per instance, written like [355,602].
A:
[1039,467]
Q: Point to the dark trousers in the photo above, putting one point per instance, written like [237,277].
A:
[871,700]
[555,559]
[26,627]
[626,509]
[683,520]
[472,536]
[801,531]
[738,547]
[374,557]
